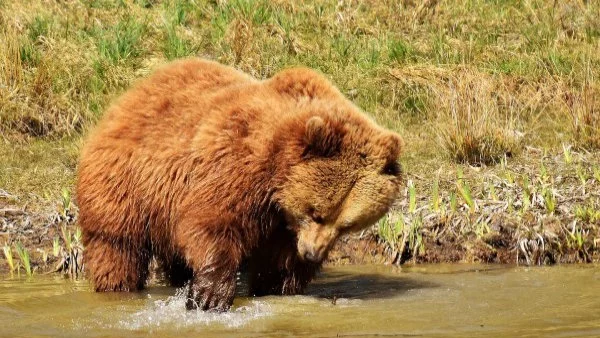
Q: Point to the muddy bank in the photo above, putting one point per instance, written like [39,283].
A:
[46,230]
[49,233]
[542,212]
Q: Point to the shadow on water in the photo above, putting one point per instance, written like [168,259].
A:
[363,286]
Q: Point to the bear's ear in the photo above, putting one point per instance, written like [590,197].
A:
[391,145]
[395,144]
[321,138]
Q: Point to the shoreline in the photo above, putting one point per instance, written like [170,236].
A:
[507,220]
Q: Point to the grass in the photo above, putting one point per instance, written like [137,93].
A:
[121,41]
[25,261]
[9,258]
[538,216]
[585,114]
[504,86]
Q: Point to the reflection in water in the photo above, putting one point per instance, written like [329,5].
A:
[338,284]
[353,301]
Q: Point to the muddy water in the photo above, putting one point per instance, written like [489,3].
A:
[357,301]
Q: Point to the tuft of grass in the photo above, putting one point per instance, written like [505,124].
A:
[387,231]
[179,11]
[585,117]
[39,27]
[401,51]
[577,237]
[9,257]
[475,115]
[56,246]
[435,195]
[549,200]
[581,174]
[121,41]
[482,228]
[587,214]
[567,154]
[71,262]
[66,202]
[67,238]
[415,238]
[465,191]
[453,202]
[584,107]
[596,173]
[174,46]
[474,130]
[412,197]
[25,260]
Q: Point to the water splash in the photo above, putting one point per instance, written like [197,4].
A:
[171,313]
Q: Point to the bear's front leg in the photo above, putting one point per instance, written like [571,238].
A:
[281,278]
[214,252]
[211,290]
[276,269]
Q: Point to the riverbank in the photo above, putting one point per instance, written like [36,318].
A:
[542,211]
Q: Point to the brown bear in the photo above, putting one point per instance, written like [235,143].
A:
[204,167]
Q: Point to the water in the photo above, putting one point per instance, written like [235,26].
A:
[355,301]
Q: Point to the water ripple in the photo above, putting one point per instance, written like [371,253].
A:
[171,313]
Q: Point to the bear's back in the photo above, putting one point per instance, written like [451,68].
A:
[158,112]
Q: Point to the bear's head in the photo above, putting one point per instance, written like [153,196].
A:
[345,178]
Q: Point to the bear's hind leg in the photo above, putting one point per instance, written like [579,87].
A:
[116,266]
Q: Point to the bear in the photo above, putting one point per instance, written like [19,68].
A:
[206,169]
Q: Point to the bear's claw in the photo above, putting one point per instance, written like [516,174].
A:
[209,295]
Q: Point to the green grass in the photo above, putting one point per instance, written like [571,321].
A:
[9,257]
[120,42]
[25,261]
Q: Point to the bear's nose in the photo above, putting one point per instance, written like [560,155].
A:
[311,256]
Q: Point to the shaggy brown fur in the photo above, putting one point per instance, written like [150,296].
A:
[202,166]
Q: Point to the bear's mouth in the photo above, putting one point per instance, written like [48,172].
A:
[311,256]
[312,253]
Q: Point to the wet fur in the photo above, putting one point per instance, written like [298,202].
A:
[190,167]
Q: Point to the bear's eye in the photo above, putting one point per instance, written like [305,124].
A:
[392,169]
[314,216]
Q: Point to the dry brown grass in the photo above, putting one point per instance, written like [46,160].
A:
[584,107]
[475,113]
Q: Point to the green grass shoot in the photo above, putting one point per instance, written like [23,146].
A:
[56,246]
[66,235]
[435,195]
[9,257]
[568,157]
[453,202]
[581,175]
[24,258]
[549,200]
[412,201]
[596,173]
[465,192]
